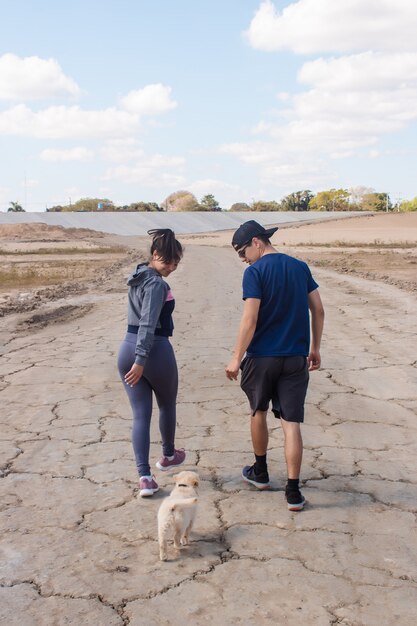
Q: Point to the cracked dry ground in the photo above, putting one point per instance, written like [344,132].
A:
[79,547]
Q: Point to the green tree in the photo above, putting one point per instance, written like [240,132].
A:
[85,204]
[376,202]
[332,200]
[15,207]
[91,204]
[181,201]
[262,205]
[143,206]
[408,205]
[297,201]
[154,206]
[209,203]
[240,206]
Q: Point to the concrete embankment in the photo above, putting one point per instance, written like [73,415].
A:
[195,222]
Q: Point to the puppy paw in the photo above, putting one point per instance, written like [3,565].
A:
[163,556]
[184,541]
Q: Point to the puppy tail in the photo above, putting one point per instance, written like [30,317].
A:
[184,503]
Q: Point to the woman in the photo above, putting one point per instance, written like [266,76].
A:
[146,359]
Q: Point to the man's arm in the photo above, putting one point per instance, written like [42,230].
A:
[317,321]
[246,331]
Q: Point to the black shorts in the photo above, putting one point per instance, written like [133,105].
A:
[282,380]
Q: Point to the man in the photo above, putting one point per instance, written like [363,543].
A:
[274,331]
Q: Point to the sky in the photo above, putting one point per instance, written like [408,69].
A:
[243,99]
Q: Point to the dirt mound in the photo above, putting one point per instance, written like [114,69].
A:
[44,232]
[56,316]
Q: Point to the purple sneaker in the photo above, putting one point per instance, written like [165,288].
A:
[165,463]
[147,486]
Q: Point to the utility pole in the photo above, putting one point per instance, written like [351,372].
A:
[398,202]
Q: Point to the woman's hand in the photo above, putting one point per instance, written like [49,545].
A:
[134,374]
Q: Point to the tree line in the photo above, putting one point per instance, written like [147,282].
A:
[354,199]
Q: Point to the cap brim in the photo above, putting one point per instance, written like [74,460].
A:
[270,231]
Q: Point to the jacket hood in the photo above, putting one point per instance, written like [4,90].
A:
[141,273]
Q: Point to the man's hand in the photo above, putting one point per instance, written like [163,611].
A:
[134,374]
[232,370]
[314,360]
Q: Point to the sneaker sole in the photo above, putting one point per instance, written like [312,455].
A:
[260,486]
[296,507]
[165,469]
[145,493]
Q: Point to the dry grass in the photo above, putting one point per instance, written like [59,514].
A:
[49,251]
[404,245]
[394,266]
[45,274]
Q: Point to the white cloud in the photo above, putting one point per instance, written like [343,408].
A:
[150,170]
[362,72]
[70,154]
[32,78]
[160,160]
[151,100]
[121,150]
[350,103]
[314,26]
[62,122]
[354,101]
[143,174]
[299,173]
[251,153]
[284,96]
[346,154]
[210,185]
[279,165]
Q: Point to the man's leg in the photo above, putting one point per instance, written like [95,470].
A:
[257,474]
[292,390]
[259,433]
[293,447]
[253,382]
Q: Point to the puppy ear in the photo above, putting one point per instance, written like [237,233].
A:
[196,482]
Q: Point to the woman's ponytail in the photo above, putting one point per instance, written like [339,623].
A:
[165,245]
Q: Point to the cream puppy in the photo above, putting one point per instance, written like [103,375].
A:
[177,512]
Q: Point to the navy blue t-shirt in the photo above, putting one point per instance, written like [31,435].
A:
[282,284]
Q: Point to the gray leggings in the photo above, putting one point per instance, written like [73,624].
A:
[161,377]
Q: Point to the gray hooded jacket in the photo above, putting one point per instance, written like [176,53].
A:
[147,295]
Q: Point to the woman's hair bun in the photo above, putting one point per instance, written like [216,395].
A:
[160,232]
[165,245]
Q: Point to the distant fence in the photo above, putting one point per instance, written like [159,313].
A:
[182,223]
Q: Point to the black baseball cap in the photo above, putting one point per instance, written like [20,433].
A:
[250,229]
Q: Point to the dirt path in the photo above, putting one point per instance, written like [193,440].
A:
[79,545]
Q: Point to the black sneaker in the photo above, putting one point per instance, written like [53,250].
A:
[260,481]
[295,499]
